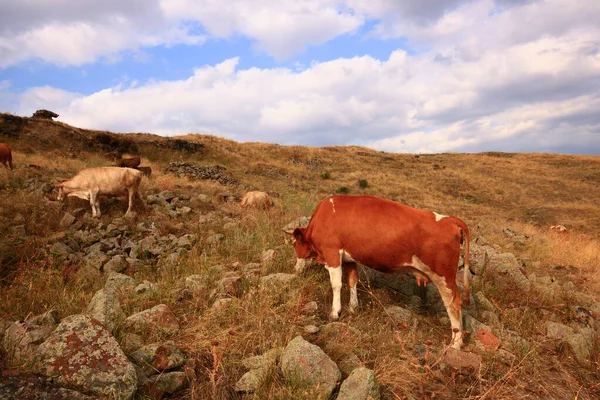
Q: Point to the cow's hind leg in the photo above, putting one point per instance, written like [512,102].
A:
[452,301]
[94,203]
[352,274]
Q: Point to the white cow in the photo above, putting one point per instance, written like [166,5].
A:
[256,199]
[111,181]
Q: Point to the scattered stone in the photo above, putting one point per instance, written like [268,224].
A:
[115,264]
[96,259]
[61,250]
[310,329]
[83,355]
[301,222]
[229,286]
[196,283]
[219,303]
[487,339]
[310,308]
[349,363]
[119,282]
[555,330]
[214,239]
[146,287]
[268,256]
[49,318]
[462,360]
[399,315]
[159,318]
[507,266]
[30,386]
[21,339]
[360,385]
[260,367]
[66,221]
[204,198]
[159,357]
[306,364]
[105,307]
[168,383]
[196,172]
[131,342]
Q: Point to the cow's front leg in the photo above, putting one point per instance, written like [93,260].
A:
[335,276]
[93,202]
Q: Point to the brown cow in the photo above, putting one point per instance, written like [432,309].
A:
[6,155]
[89,183]
[256,199]
[132,162]
[389,237]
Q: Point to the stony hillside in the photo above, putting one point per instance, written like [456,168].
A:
[194,297]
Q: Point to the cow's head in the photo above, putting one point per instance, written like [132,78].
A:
[60,188]
[303,249]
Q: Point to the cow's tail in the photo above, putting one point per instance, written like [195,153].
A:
[466,239]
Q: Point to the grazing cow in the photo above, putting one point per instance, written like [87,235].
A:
[145,170]
[388,237]
[257,199]
[559,229]
[132,162]
[6,155]
[89,183]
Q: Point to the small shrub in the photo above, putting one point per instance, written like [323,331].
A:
[363,184]
[325,175]
[343,190]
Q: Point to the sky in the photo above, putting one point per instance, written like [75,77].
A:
[426,76]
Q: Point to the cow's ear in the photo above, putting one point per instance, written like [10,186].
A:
[299,234]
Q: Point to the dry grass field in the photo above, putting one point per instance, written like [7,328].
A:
[489,191]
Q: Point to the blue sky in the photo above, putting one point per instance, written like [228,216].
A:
[401,76]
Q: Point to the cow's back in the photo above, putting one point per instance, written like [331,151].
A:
[5,152]
[375,231]
[109,180]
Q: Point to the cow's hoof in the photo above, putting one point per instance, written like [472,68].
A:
[335,315]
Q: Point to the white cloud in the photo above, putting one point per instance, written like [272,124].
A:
[501,74]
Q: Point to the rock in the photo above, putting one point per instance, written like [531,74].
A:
[267,256]
[472,325]
[115,264]
[555,330]
[168,383]
[229,286]
[306,364]
[186,241]
[149,247]
[159,318]
[60,250]
[196,172]
[310,329]
[483,302]
[21,339]
[96,259]
[49,318]
[83,355]
[349,363]
[462,360]
[146,287]
[119,282]
[276,281]
[507,266]
[196,283]
[487,339]
[301,222]
[310,308]
[44,114]
[29,386]
[260,367]
[131,342]
[204,198]
[214,239]
[360,385]
[18,231]
[66,221]
[399,315]
[220,303]
[167,195]
[159,357]
[105,307]
[582,344]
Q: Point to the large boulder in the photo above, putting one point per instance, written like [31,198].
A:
[307,365]
[81,354]
[159,357]
[105,307]
[21,340]
[159,318]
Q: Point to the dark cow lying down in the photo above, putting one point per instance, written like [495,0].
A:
[389,237]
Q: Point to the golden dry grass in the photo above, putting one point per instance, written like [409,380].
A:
[527,192]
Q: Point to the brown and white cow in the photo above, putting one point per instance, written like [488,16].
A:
[256,199]
[6,155]
[388,237]
[132,162]
[89,183]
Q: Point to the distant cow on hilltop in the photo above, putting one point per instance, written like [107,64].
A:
[6,155]
[257,199]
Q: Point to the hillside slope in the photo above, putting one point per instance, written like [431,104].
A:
[195,250]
